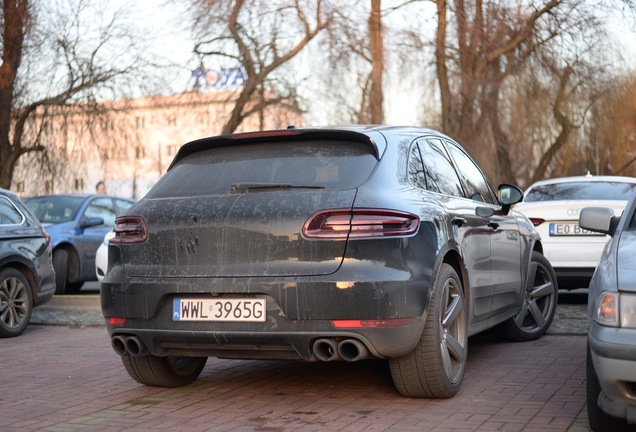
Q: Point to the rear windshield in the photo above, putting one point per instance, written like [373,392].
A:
[267,167]
[581,191]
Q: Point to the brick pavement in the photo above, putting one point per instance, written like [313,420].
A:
[61,379]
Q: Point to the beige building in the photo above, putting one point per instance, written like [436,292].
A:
[129,144]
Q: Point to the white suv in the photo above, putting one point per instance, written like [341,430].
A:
[554,205]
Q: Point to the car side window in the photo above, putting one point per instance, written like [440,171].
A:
[9,215]
[103,208]
[474,181]
[440,173]
[416,168]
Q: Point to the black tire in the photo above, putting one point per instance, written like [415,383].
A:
[16,302]
[60,265]
[539,303]
[435,368]
[169,371]
[74,287]
[599,420]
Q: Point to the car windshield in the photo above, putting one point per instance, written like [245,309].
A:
[582,190]
[267,167]
[54,209]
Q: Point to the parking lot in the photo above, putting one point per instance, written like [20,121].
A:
[65,377]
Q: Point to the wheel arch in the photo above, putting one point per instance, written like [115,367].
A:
[26,271]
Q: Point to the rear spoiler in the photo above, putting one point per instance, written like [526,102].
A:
[282,135]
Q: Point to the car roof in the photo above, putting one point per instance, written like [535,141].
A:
[585,178]
[375,136]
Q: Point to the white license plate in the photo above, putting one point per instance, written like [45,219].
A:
[219,309]
[570,229]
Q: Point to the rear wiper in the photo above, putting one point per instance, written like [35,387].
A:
[241,188]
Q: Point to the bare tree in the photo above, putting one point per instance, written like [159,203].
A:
[481,45]
[57,54]
[261,37]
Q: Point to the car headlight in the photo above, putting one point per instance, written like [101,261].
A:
[616,310]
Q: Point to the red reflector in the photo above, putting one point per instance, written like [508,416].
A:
[360,223]
[116,321]
[48,237]
[394,322]
[536,221]
[129,229]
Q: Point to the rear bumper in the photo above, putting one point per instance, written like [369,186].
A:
[308,340]
[299,312]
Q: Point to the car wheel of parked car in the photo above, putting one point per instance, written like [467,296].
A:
[435,368]
[60,264]
[539,303]
[171,371]
[599,420]
[16,302]
[74,287]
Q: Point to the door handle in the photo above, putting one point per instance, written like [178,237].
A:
[458,221]
[493,225]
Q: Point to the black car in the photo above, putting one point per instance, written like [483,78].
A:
[323,244]
[27,278]
[77,224]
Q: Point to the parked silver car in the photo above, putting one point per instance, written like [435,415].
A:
[611,356]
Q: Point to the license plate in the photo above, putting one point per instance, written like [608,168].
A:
[219,309]
[570,229]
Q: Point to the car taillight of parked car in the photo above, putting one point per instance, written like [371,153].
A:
[130,229]
[537,221]
[47,236]
[360,223]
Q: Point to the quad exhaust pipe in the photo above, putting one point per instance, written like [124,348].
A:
[128,345]
[349,350]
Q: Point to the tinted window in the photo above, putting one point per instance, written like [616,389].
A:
[54,209]
[440,173]
[9,215]
[476,185]
[416,168]
[583,190]
[328,164]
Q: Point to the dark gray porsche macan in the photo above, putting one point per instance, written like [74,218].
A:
[323,244]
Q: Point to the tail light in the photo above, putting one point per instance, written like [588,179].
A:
[536,221]
[360,223]
[130,229]
[47,236]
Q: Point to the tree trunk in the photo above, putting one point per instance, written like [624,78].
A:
[376,109]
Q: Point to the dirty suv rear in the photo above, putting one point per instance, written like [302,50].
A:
[293,244]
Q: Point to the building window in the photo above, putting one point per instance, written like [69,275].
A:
[48,186]
[172,149]
[140,152]
[172,121]
[79,184]
[19,187]
[140,122]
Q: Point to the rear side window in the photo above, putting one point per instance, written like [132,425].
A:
[9,215]
[581,191]
[310,164]
[440,173]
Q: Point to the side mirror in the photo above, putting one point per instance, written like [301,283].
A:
[599,219]
[91,222]
[508,195]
